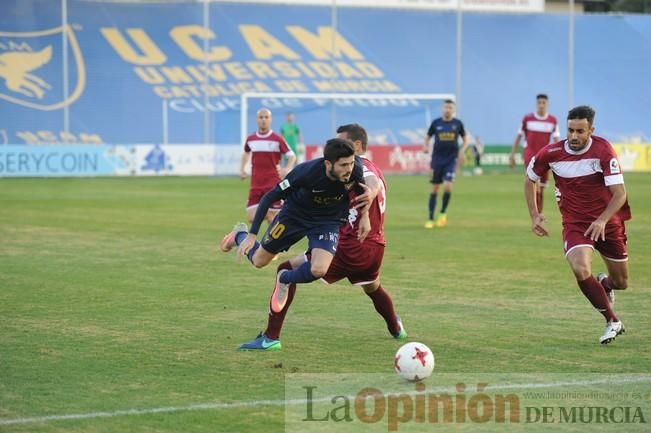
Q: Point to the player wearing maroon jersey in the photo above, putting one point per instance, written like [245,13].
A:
[592,199]
[360,263]
[537,129]
[264,148]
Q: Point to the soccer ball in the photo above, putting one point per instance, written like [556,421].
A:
[414,361]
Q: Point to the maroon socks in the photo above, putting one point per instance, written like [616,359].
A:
[596,294]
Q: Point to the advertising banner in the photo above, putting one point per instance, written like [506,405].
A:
[103,160]
[63,161]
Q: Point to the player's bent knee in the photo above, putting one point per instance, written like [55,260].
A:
[581,272]
[581,267]
[370,288]
[260,261]
[318,271]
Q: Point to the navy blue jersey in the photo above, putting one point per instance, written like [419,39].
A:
[446,135]
[310,196]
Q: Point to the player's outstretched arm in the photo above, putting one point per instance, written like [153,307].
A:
[597,230]
[263,207]
[537,219]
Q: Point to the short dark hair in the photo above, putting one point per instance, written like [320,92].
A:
[541,96]
[582,112]
[336,148]
[449,101]
[355,132]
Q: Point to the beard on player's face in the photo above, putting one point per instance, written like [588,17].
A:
[577,144]
[341,176]
[340,170]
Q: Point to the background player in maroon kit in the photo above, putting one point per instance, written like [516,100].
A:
[359,262]
[264,148]
[592,200]
[537,129]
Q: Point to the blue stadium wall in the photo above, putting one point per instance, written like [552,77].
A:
[116,87]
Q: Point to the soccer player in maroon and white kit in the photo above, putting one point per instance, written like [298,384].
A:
[359,262]
[593,203]
[264,148]
[537,129]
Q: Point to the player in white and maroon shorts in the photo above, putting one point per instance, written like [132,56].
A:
[593,203]
[358,262]
[264,148]
[537,129]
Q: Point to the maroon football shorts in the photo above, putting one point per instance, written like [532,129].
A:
[613,248]
[255,195]
[360,264]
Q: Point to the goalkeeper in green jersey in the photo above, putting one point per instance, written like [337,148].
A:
[292,135]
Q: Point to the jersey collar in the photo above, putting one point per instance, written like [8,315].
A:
[264,135]
[569,150]
[540,117]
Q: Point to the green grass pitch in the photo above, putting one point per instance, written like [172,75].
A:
[114,297]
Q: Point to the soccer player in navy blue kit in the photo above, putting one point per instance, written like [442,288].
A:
[316,205]
[357,261]
[447,158]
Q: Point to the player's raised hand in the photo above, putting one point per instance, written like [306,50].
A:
[596,231]
[364,227]
[538,225]
[246,246]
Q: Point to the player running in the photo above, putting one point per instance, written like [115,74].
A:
[316,204]
[360,263]
[264,148]
[537,128]
[593,203]
[447,158]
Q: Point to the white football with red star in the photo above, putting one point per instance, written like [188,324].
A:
[414,361]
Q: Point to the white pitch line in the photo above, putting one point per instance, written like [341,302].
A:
[256,403]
